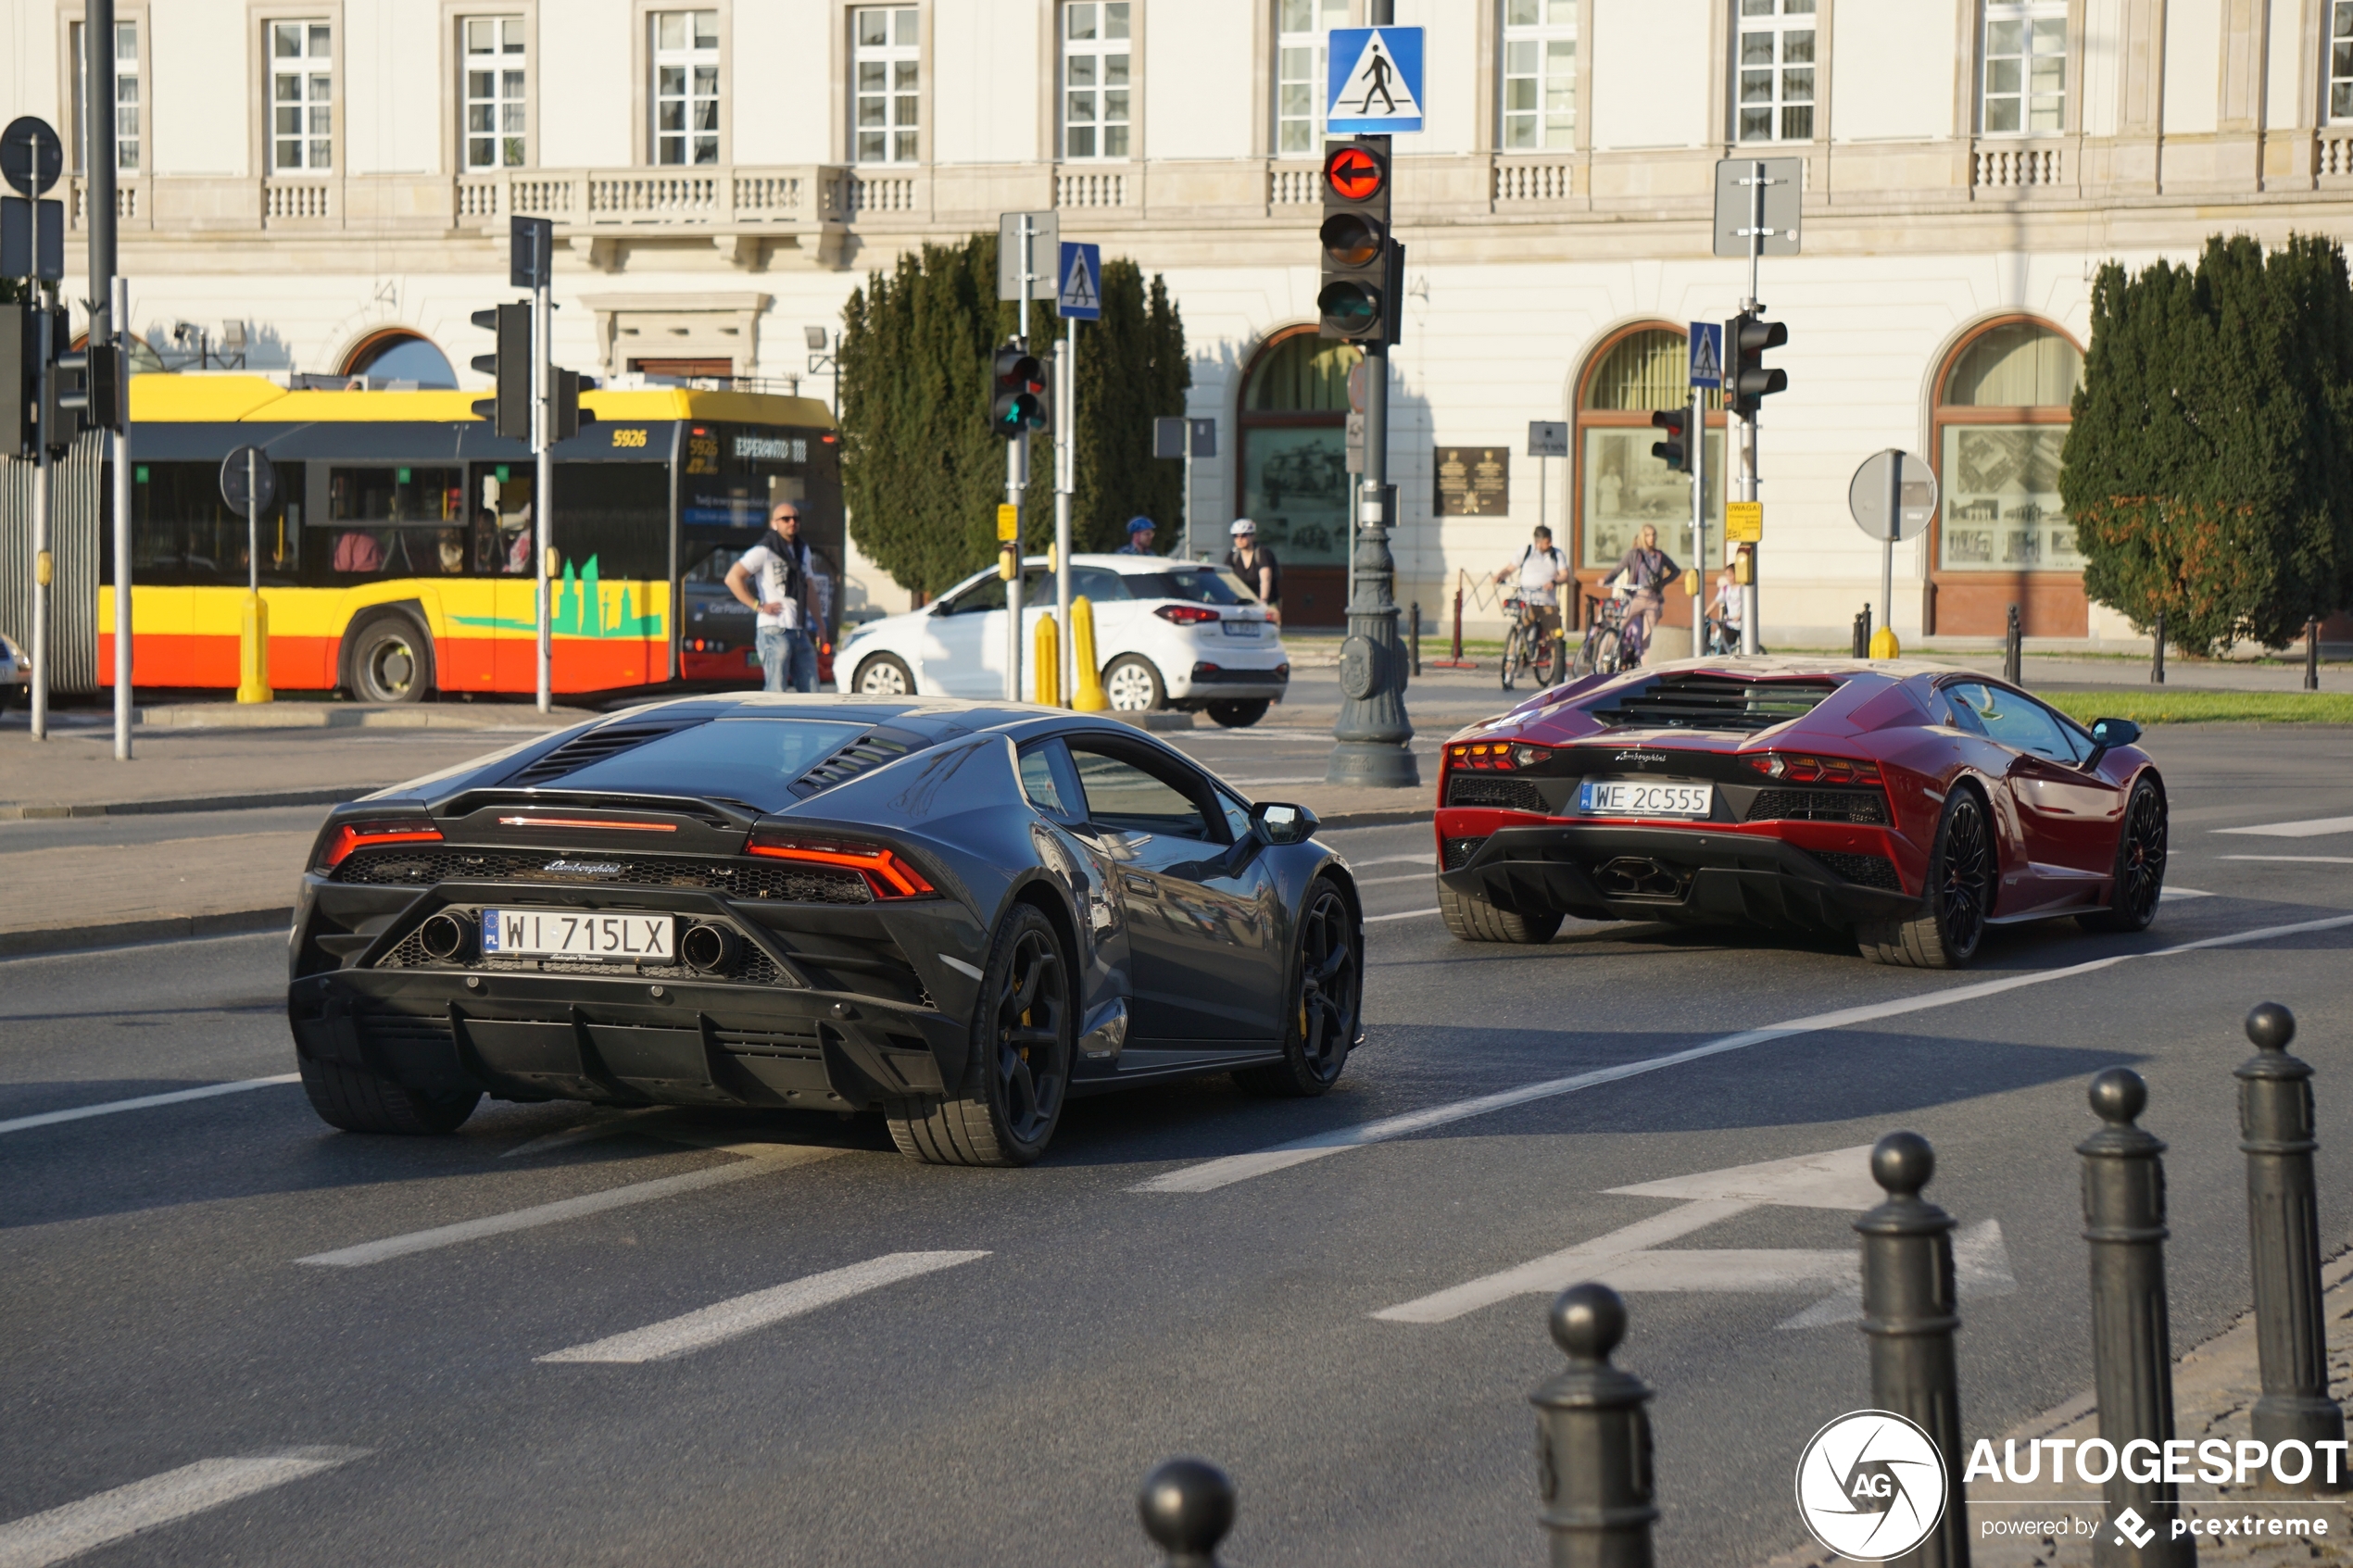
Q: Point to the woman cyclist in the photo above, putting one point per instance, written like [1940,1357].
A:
[1643,572]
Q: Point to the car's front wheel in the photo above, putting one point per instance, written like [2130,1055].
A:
[1472,919]
[2140,865]
[1951,922]
[1323,1006]
[360,1101]
[884,674]
[1017,1072]
[1132,686]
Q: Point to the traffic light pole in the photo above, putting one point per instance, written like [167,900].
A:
[543,488]
[1698,459]
[119,317]
[1750,642]
[1065,486]
[43,569]
[1017,480]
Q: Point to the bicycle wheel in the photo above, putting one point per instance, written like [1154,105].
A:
[1606,651]
[1508,666]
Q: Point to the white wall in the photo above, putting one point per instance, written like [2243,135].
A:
[1452,63]
[393,57]
[2193,69]
[586,56]
[1646,91]
[2103,24]
[985,99]
[784,100]
[1197,103]
[2296,37]
[1896,80]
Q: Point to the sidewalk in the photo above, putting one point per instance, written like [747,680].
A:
[2215,1386]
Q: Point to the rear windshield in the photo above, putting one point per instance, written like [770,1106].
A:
[1200,585]
[752,761]
[1710,702]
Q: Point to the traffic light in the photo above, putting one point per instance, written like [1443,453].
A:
[1019,401]
[1746,381]
[570,416]
[1672,451]
[509,410]
[85,392]
[20,380]
[1361,269]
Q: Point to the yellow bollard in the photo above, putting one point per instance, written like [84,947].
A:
[1089,698]
[1048,662]
[1884,645]
[253,652]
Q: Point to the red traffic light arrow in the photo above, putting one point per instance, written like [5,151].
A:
[1354,174]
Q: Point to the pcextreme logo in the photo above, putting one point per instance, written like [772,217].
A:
[1871,1486]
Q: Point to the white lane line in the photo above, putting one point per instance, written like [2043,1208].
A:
[40,1539]
[1396,860]
[728,1319]
[51,1118]
[1213,1173]
[599,1125]
[2171,893]
[1381,880]
[2311,828]
[1253,784]
[762,1161]
[2295,859]
[1409,914]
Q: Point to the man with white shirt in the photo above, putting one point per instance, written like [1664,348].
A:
[794,592]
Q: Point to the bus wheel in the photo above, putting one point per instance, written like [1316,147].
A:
[389,660]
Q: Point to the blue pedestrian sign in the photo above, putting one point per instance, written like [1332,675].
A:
[1374,81]
[1707,354]
[1080,297]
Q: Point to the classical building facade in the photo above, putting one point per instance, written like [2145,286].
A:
[324,187]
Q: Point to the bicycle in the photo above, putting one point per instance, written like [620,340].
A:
[1528,645]
[1612,639]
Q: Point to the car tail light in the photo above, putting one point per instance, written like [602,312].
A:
[350,836]
[887,876]
[1187,615]
[1496,753]
[1799,769]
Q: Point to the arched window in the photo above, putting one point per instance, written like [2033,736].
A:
[1291,478]
[2002,537]
[1621,485]
[396,354]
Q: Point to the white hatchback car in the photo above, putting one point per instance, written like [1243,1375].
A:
[1168,633]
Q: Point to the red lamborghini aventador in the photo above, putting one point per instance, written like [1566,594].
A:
[1911,805]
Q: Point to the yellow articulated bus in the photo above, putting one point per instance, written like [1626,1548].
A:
[397,556]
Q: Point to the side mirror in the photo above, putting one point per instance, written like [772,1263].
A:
[1282,824]
[2109,733]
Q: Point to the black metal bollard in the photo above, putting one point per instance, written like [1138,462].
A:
[2283,1243]
[2014,652]
[2312,654]
[1862,632]
[2131,1341]
[1413,631]
[1594,1440]
[2156,660]
[1187,1505]
[1909,1314]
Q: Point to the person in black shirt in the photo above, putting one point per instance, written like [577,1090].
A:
[1258,569]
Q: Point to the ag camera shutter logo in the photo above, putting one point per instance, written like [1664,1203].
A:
[1871,1486]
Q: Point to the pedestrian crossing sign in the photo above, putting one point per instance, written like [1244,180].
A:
[1372,80]
[1707,354]
[1080,297]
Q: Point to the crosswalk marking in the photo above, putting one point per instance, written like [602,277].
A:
[1211,1174]
[40,1539]
[728,1319]
[2313,827]
[108,1108]
[760,1160]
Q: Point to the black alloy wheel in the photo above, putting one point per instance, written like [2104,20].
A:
[1960,896]
[2140,865]
[1325,1004]
[1017,1076]
[1238,713]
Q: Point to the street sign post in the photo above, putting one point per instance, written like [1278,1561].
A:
[1374,81]
[1080,295]
[1079,298]
[1032,252]
[248,483]
[1757,203]
[1546,438]
[1892,497]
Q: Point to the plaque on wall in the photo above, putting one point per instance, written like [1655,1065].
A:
[1472,481]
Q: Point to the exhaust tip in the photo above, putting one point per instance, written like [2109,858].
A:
[446,938]
[708,949]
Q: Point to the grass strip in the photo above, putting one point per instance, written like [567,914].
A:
[2158,706]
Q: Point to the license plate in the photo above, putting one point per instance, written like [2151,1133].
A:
[579,934]
[1640,797]
[1244,628]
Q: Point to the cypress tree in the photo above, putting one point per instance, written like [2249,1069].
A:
[2206,471]
[923,473]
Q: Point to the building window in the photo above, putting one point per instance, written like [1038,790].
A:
[1095,79]
[1540,75]
[686,86]
[2026,65]
[890,74]
[2341,59]
[1621,485]
[2002,419]
[1292,474]
[495,77]
[1777,71]
[125,97]
[302,94]
[1299,70]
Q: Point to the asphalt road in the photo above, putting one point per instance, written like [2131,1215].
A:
[392,1405]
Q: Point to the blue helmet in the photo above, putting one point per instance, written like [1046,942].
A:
[1141,525]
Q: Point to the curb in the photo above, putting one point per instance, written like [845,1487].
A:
[186,803]
[1375,819]
[345,716]
[123,934]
